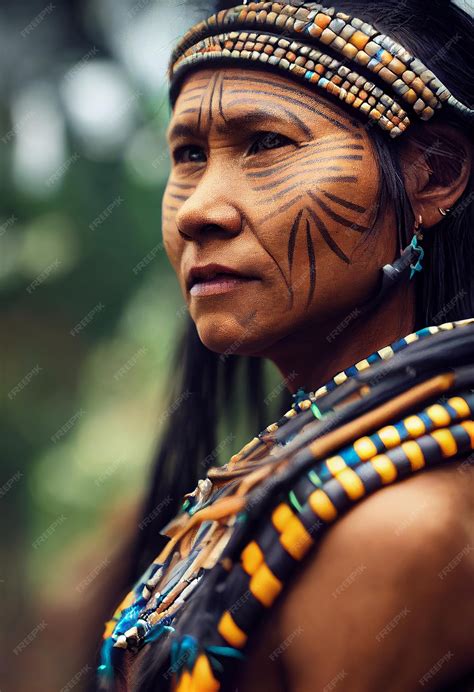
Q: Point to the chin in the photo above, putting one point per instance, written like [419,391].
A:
[225,335]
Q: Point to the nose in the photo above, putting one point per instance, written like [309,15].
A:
[209,211]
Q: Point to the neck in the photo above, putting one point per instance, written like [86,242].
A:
[315,354]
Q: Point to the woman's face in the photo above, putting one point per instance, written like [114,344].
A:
[271,193]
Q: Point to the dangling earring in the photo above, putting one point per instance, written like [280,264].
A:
[417,235]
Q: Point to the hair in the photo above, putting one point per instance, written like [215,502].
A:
[441,35]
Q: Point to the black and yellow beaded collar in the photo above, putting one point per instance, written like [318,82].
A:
[325,48]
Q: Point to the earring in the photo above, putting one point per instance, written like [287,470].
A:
[443,212]
[417,236]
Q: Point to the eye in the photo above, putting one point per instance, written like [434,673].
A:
[189,154]
[269,140]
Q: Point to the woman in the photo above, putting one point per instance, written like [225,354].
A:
[312,147]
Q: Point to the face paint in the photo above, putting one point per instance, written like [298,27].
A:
[279,185]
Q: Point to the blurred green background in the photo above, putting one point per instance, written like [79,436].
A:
[90,314]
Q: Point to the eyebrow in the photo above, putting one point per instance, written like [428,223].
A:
[240,122]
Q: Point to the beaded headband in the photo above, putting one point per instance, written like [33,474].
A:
[284,36]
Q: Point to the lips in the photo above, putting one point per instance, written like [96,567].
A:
[214,272]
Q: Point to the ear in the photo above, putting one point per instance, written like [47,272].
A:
[436,162]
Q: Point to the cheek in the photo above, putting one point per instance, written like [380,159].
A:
[172,241]
[317,210]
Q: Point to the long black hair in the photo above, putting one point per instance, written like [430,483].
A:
[206,385]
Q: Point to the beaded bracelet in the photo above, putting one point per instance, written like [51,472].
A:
[283,36]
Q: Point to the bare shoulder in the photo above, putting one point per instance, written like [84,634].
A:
[387,601]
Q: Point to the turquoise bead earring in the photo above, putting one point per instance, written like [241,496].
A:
[417,236]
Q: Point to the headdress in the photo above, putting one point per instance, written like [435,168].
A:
[327,49]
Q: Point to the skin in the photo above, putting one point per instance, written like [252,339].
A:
[288,198]
[280,183]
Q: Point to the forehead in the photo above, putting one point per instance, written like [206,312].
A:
[243,90]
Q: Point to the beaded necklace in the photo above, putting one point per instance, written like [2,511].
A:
[245,528]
